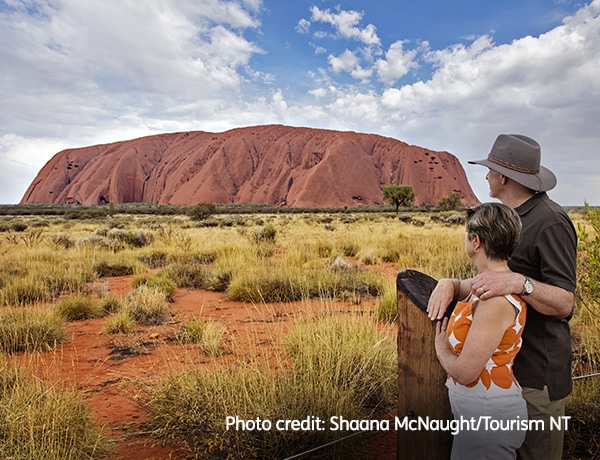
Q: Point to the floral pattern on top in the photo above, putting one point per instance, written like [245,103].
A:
[497,373]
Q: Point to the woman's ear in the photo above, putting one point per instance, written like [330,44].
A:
[476,241]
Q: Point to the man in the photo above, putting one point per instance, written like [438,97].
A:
[543,272]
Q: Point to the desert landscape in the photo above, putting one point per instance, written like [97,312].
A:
[113,373]
[227,300]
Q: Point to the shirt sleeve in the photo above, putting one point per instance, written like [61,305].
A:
[557,251]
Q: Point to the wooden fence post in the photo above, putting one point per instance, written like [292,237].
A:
[422,394]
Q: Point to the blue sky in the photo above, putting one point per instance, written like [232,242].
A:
[442,75]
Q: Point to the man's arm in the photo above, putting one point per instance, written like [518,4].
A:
[546,299]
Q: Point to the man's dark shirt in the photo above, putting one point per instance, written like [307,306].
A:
[546,253]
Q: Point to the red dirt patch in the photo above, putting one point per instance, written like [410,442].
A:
[113,372]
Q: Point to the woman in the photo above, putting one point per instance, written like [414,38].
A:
[477,346]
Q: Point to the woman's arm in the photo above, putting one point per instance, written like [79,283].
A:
[486,331]
[446,291]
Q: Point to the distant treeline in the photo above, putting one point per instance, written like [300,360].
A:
[76,211]
[87,212]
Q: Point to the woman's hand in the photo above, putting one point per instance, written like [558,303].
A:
[442,295]
[442,344]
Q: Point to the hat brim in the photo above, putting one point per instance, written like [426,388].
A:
[541,182]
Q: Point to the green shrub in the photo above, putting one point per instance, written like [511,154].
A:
[452,201]
[202,211]
[85,213]
[19,227]
[30,329]
[104,270]
[134,239]
[188,275]
[589,257]
[154,259]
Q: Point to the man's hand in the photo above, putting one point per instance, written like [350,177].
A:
[492,284]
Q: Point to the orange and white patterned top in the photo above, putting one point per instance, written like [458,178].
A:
[497,375]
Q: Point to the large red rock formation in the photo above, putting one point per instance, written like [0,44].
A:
[299,167]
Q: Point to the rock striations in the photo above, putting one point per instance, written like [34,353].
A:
[279,165]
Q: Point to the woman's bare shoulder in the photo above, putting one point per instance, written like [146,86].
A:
[494,309]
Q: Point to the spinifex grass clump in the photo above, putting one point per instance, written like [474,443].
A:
[263,283]
[190,410]
[273,281]
[188,274]
[349,354]
[207,332]
[387,306]
[160,281]
[147,306]
[78,307]
[44,422]
[346,283]
[30,329]
[120,323]
[39,274]
[339,368]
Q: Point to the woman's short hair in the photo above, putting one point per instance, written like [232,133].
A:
[498,227]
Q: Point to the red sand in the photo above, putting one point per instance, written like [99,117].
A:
[113,380]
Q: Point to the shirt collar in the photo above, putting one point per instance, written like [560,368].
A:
[531,203]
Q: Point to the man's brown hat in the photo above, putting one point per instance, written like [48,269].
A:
[518,158]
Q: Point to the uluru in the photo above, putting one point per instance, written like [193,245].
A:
[271,164]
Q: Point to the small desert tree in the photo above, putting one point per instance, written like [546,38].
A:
[399,195]
[451,202]
[202,211]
